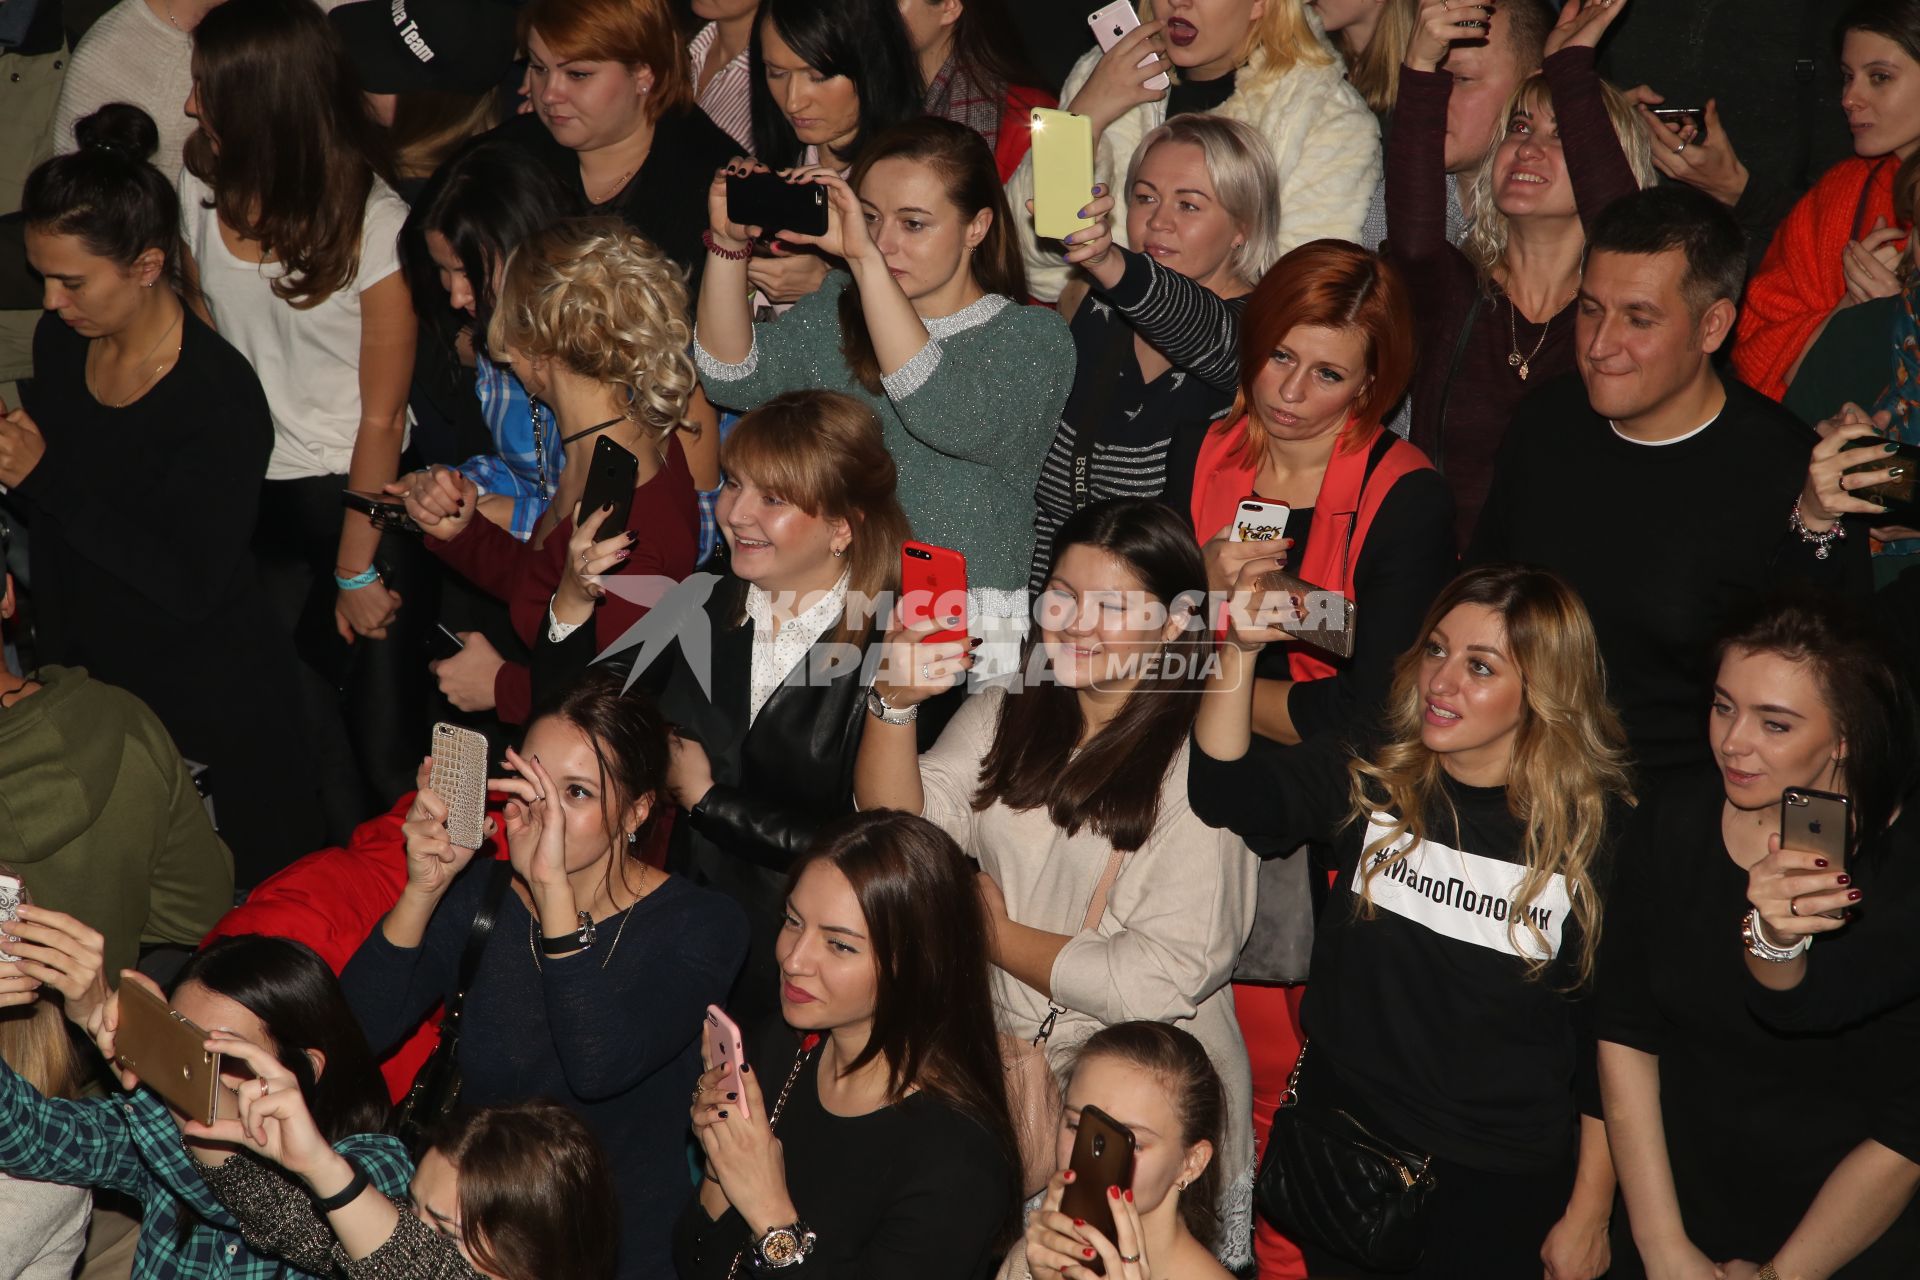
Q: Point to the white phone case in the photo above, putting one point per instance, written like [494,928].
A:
[1256,521]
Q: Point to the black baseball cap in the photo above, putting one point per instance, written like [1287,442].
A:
[402,45]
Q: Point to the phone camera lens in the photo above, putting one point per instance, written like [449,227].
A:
[1099,1145]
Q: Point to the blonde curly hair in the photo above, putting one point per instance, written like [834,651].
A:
[608,305]
[1485,243]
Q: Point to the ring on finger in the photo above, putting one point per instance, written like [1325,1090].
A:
[1126,1259]
[1793,906]
[926,671]
[1682,147]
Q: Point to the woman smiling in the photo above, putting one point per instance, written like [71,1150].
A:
[1448,1022]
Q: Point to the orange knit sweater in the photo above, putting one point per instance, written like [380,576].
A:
[1800,281]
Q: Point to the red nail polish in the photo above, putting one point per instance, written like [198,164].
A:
[1129,1195]
[1844,879]
[1079,1222]
[1819,862]
[1088,1252]
[1113,1192]
[1853,896]
[1069,1175]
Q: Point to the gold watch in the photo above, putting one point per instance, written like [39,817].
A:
[783,1247]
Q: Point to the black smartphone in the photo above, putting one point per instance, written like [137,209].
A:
[770,202]
[610,478]
[1102,1158]
[1679,116]
[442,643]
[389,514]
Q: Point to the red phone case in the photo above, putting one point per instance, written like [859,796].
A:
[724,1047]
[933,584]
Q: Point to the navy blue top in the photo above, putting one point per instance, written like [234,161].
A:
[611,1032]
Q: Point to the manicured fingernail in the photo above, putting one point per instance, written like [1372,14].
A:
[1088,1252]
[1843,879]
[1070,1175]
[744,1068]
[1099,188]
[1079,1222]
[1113,1193]
[1893,448]
[1819,862]
[723,1115]
[622,555]
[733,1097]
[1129,1195]
[632,536]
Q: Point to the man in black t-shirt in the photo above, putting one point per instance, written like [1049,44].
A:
[1662,492]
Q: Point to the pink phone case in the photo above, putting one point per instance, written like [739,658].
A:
[724,1049]
[1110,26]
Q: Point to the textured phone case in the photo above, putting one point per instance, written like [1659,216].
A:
[460,778]
[1329,621]
[12,894]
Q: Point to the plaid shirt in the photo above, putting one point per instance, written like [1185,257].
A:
[955,95]
[516,467]
[706,498]
[130,1143]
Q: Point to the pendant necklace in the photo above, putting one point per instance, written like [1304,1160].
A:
[1514,359]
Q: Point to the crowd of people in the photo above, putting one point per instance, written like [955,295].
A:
[1305,729]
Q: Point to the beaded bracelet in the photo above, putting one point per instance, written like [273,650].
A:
[718,250]
[1822,542]
[365,578]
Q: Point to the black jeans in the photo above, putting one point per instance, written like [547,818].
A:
[370,698]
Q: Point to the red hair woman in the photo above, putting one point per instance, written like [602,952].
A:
[1326,348]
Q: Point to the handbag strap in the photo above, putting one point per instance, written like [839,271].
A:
[477,935]
[1446,388]
[773,1120]
[1096,908]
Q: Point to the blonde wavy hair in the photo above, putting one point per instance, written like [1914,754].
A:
[606,304]
[1283,35]
[1485,243]
[1569,757]
[1375,70]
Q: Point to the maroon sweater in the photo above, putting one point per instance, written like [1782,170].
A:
[665,514]
[1487,389]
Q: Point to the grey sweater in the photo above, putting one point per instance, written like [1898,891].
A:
[967,420]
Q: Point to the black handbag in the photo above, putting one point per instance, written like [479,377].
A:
[436,1089]
[1325,1180]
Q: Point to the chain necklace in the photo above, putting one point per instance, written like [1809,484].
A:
[533,926]
[615,190]
[144,382]
[1514,359]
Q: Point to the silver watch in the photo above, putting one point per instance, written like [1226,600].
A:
[783,1247]
[879,709]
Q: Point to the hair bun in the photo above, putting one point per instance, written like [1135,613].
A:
[121,129]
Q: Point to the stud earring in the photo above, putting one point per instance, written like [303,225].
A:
[839,552]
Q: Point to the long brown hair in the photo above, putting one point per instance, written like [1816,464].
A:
[960,159]
[1330,284]
[285,140]
[1113,783]
[822,452]
[33,1041]
[536,1199]
[1569,758]
[933,1022]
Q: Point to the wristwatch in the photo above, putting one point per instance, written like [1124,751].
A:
[782,1247]
[568,942]
[877,707]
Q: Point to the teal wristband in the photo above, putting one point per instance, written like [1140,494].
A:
[365,578]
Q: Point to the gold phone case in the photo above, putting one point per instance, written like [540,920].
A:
[1062,172]
[460,778]
[1330,615]
[170,1056]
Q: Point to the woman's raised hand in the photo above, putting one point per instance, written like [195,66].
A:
[1826,495]
[440,500]
[1799,893]
[846,235]
[1119,83]
[536,822]
[1443,24]
[1706,163]
[727,233]
[60,952]
[589,558]
[433,859]
[272,1118]
[1582,22]
[913,669]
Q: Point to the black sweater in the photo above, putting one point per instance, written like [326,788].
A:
[1757,1115]
[915,1189]
[610,1031]
[1424,1013]
[1661,542]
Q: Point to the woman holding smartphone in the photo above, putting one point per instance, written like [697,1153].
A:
[591,987]
[1711,1175]
[768,715]
[1448,1023]
[591,319]
[928,330]
[1158,1082]
[1255,61]
[1071,794]
[880,1144]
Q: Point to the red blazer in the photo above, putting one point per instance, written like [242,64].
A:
[1800,281]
